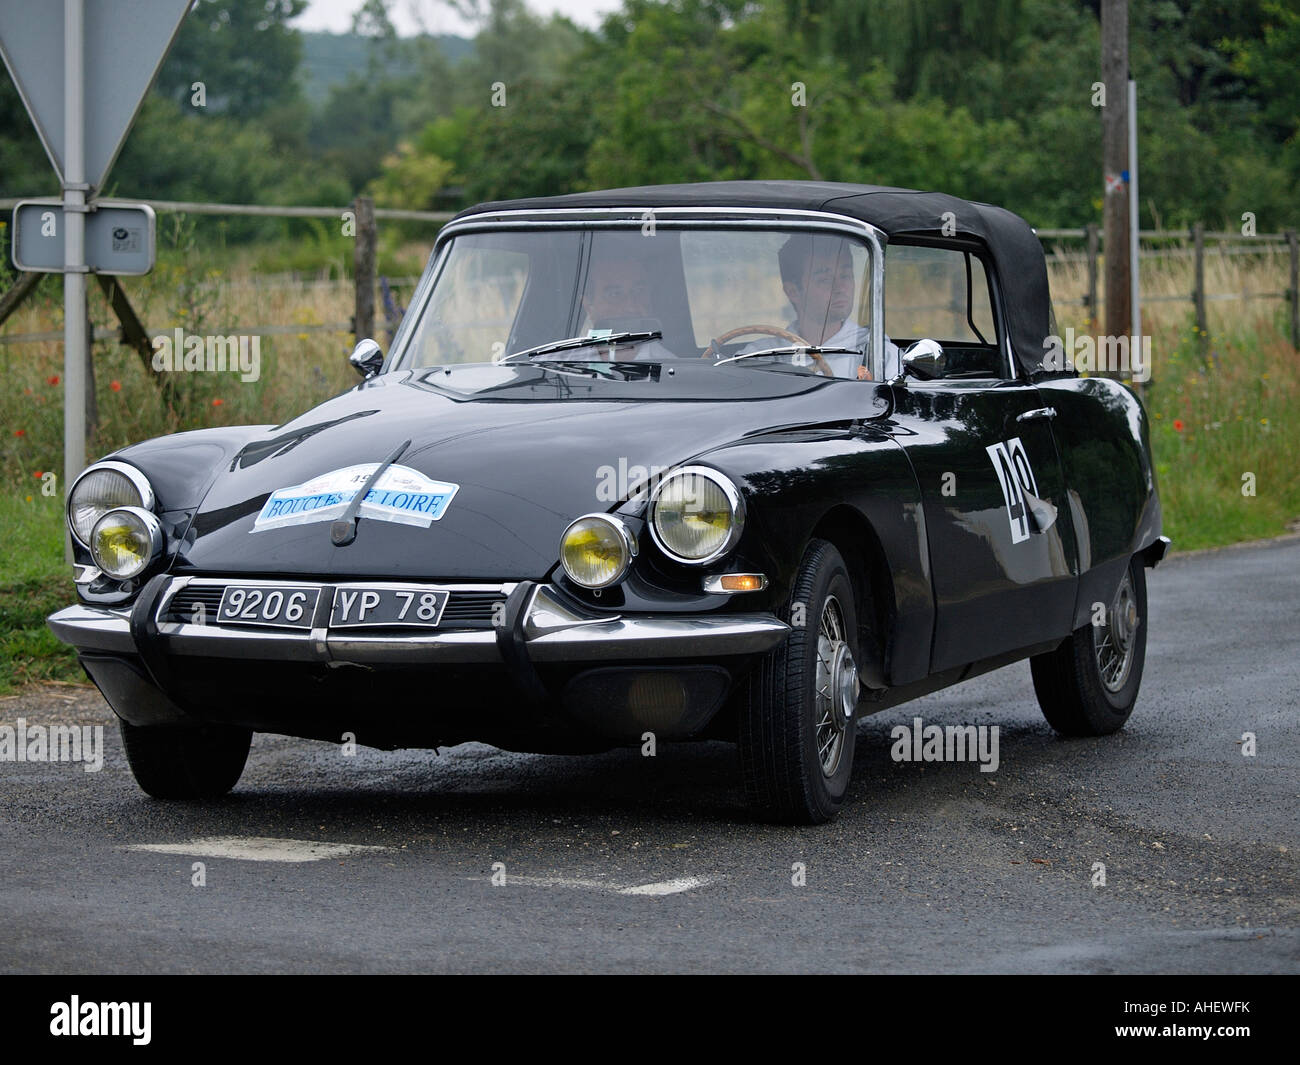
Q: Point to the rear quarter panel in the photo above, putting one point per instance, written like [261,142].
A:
[1103,435]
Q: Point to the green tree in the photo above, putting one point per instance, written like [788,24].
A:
[244,51]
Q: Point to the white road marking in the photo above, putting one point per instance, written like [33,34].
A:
[663,887]
[257,849]
[668,887]
[559,881]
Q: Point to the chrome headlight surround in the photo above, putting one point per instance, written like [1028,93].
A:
[137,480]
[622,536]
[735,500]
[146,525]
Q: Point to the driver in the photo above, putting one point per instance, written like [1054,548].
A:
[818,279]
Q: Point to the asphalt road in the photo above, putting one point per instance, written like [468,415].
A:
[619,863]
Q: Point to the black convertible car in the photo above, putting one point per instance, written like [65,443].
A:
[742,460]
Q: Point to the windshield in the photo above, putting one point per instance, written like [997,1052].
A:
[651,294]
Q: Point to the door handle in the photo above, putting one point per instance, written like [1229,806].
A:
[1039,412]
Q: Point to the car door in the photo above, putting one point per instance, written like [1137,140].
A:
[1002,551]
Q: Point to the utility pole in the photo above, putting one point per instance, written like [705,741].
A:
[1114,152]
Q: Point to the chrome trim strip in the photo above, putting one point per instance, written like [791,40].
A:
[628,215]
[707,636]
[548,613]
[419,297]
[94,628]
[84,574]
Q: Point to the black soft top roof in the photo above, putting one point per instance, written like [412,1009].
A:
[1016,252]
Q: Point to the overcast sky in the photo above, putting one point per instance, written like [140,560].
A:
[407,15]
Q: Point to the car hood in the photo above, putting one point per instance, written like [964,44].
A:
[500,460]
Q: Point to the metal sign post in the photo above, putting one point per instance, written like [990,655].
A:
[75,351]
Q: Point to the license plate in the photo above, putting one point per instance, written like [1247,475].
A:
[290,606]
[357,605]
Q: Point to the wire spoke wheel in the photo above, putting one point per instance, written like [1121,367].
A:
[1089,684]
[1114,642]
[836,683]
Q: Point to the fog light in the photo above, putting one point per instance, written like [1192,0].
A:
[596,550]
[125,541]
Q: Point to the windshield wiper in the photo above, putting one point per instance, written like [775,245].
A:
[792,349]
[344,531]
[585,342]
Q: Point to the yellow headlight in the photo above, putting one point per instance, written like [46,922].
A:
[596,550]
[125,541]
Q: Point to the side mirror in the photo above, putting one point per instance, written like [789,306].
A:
[367,358]
[925,360]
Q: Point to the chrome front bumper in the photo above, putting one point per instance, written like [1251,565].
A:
[551,630]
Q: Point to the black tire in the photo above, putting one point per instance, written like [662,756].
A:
[781,762]
[1078,685]
[186,763]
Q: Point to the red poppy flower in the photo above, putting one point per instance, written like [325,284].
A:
[54,380]
[38,474]
[1178,425]
[218,402]
[20,432]
[116,386]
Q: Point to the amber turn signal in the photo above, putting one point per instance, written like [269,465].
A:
[735,582]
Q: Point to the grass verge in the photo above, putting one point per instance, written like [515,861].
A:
[34,582]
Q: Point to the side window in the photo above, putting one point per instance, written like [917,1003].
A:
[943,294]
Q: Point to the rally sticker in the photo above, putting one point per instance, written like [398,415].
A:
[1016,477]
[401,494]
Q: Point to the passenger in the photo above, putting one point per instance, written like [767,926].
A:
[617,297]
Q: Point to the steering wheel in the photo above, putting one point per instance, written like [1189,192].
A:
[823,367]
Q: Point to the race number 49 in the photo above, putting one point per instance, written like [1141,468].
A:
[1016,477]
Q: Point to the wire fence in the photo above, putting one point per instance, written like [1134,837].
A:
[1278,252]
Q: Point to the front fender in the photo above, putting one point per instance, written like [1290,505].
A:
[181,469]
[851,484]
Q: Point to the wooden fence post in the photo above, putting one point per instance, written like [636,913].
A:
[22,288]
[1294,291]
[363,261]
[1198,286]
[1093,316]
[92,400]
